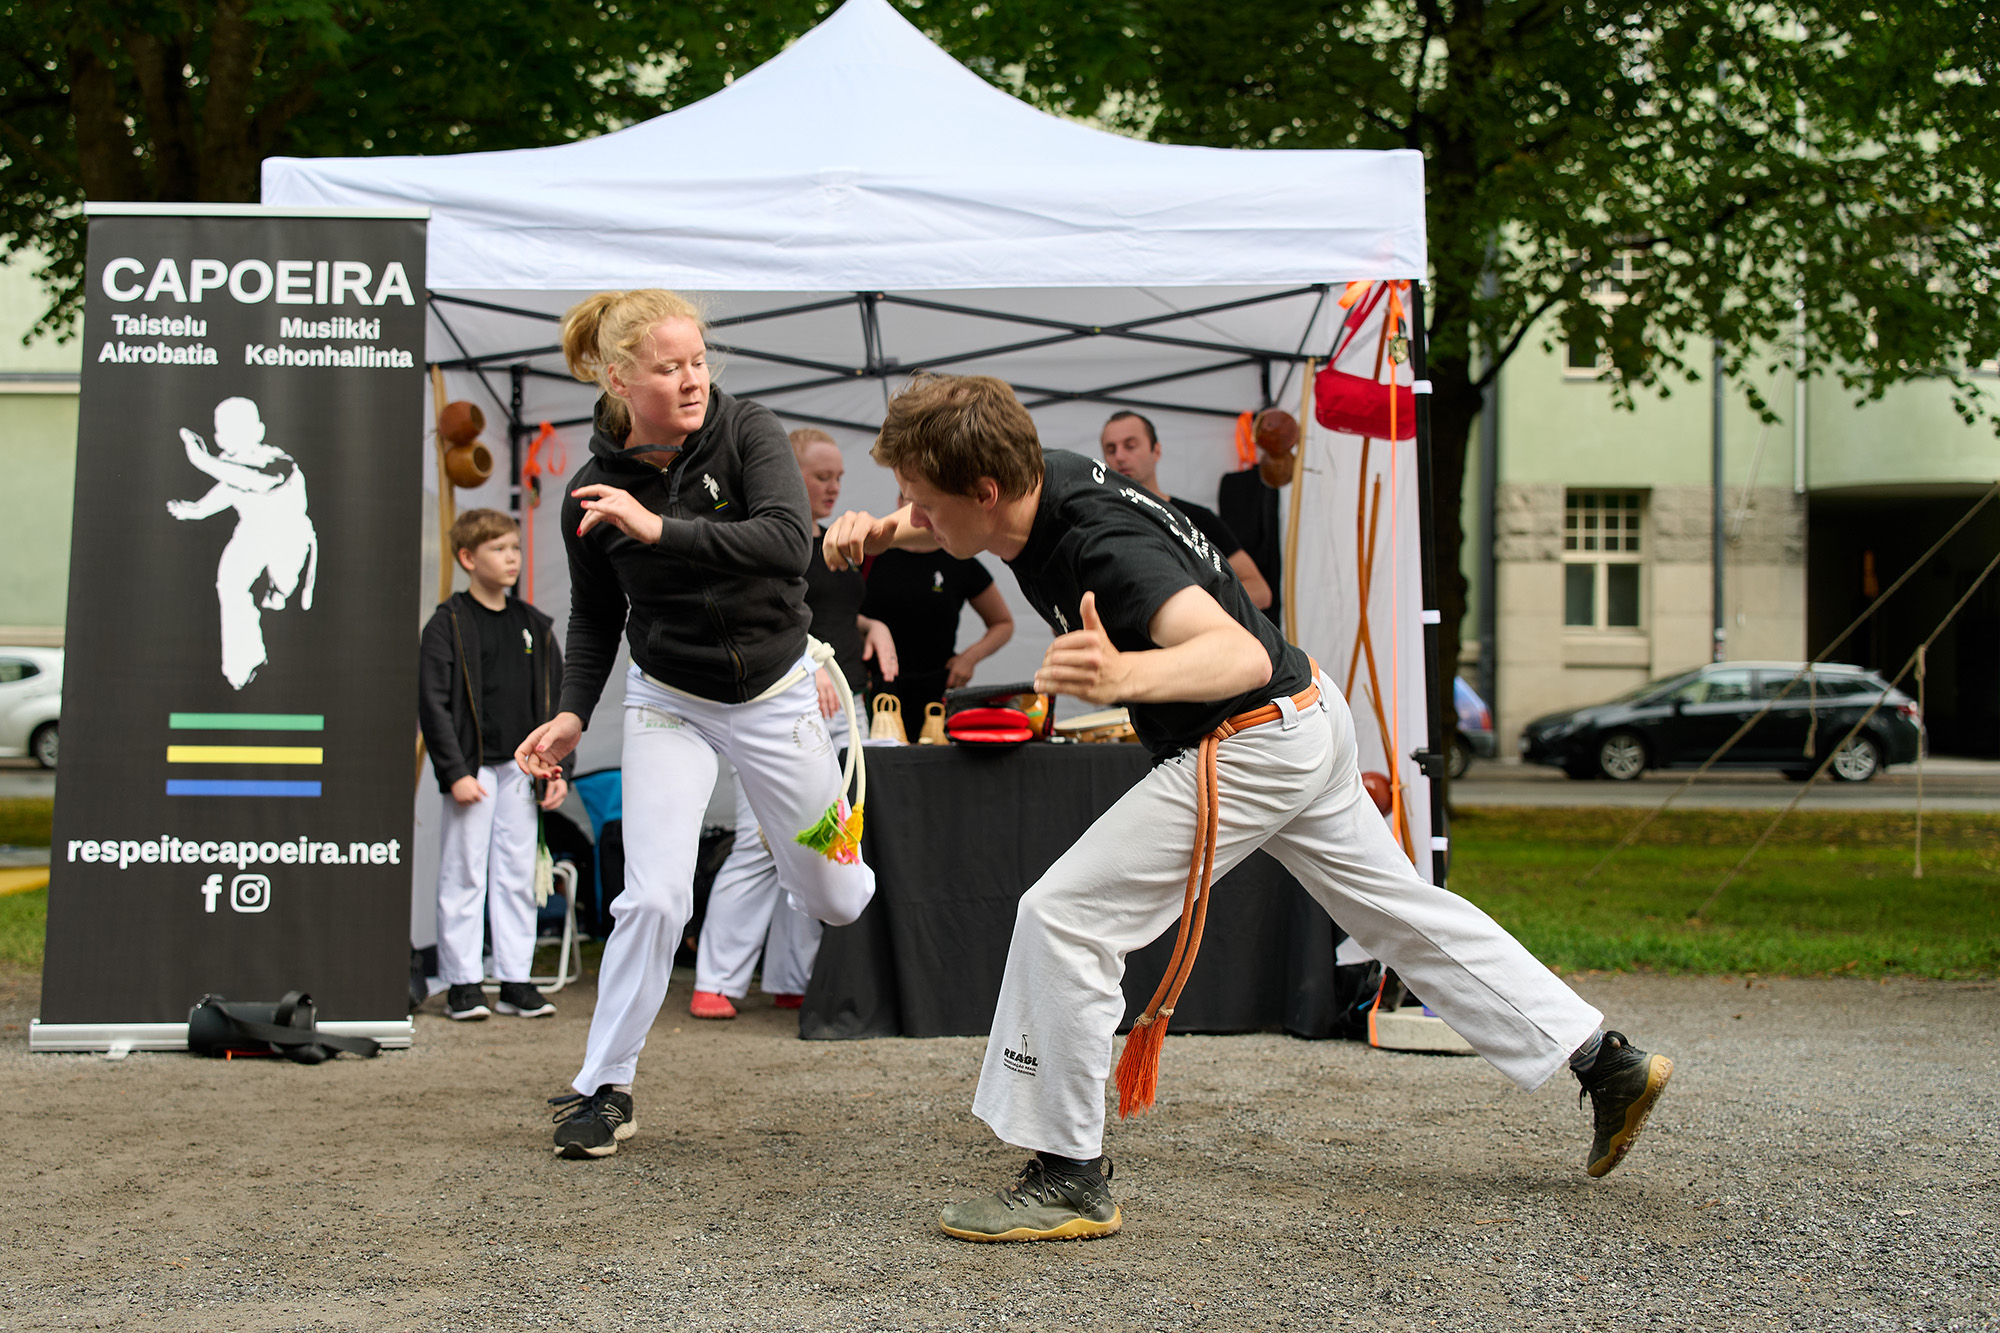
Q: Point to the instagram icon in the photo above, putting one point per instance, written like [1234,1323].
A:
[250,893]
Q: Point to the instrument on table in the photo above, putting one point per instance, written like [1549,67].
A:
[1111,726]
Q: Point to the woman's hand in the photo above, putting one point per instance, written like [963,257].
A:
[878,646]
[958,670]
[541,755]
[608,504]
[829,697]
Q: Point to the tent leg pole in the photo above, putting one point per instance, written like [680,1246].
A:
[517,431]
[1431,757]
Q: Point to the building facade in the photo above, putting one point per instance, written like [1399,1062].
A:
[1600,571]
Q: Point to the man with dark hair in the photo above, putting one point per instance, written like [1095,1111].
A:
[1255,749]
[1132,449]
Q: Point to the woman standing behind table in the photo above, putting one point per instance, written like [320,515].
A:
[918,595]
[747,912]
[688,530]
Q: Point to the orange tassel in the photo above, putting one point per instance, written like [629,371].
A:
[1139,1065]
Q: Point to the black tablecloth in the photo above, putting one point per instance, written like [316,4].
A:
[956,835]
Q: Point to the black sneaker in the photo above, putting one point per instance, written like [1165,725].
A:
[465,1004]
[1040,1205]
[522,1000]
[591,1126]
[1622,1087]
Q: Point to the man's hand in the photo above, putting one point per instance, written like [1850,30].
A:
[467,791]
[541,755]
[879,646]
[829,697]
[1083,663]
[608,504]
[558,791]
[854,536]
[958,671]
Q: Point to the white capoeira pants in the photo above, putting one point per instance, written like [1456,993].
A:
[486,876]
[782,753]
[748,914]
[1294,790]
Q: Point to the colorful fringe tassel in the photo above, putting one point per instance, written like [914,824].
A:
[837,835]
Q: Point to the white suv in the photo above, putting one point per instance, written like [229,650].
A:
[30,700]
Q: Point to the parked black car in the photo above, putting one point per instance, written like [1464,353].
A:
[1680,722]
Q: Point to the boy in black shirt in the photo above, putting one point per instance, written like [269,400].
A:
[490,674]
[1255,749]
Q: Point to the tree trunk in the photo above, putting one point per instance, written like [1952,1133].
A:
[104,157]
[230,153]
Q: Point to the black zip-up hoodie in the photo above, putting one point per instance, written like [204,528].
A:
[717,607]
[448,688]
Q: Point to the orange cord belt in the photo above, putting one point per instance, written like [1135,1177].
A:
[1139,1066]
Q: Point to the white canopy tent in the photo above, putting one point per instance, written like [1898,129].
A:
[862,206]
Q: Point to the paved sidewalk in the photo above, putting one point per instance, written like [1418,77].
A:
[1971,785]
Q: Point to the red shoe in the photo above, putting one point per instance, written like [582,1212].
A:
[707,1004]
[785,999]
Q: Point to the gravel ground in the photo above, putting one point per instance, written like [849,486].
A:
[1825,1160]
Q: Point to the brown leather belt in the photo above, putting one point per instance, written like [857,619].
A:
[1139,1065]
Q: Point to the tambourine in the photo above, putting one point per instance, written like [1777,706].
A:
[1110,726]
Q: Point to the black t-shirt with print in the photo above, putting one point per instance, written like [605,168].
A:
[919,595]
[507,650]
[1211,525]
[1094,531]
[835,600]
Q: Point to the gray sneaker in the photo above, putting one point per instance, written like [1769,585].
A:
[1622,1087]
[1039,1205]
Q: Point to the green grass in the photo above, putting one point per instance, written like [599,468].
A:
[25,820]
[1830,893]
[23,917]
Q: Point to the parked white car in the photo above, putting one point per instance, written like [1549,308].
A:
[30,700]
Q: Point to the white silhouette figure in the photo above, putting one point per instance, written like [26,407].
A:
[274,535]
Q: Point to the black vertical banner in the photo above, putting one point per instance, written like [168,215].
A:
[233,814]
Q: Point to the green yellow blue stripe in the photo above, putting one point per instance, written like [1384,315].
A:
[245,754]
[227,787]
[246,722]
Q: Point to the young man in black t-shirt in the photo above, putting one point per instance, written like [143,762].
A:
[489,674]
[1148,614]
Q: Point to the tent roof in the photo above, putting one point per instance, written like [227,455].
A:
[865,157]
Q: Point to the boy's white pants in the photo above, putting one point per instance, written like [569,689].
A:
[784,758]
[1296,792]
[748,913]
[487,861]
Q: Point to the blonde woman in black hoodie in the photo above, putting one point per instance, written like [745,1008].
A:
[688,530]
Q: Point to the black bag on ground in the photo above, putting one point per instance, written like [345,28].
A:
[220,1027]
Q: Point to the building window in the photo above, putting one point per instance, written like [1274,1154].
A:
[1603,560]
[1607,290]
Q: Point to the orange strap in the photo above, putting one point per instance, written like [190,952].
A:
[1246,440]
[532,471]
[1139,1065]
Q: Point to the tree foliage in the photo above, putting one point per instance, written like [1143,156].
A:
[181,100]
[1716,169]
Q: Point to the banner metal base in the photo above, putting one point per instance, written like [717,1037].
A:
[394,1034]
